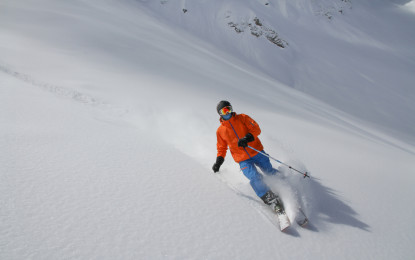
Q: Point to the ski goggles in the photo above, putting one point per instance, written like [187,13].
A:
[225,111]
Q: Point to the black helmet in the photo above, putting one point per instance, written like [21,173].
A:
[223,104]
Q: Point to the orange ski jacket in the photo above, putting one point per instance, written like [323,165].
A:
[229,133]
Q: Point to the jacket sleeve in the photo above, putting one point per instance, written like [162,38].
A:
[222,146]
[252,126]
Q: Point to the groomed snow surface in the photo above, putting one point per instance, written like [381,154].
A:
[108,121]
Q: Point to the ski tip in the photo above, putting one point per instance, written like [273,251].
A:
[285,229]
[303,223]
[285,226]
[283,221]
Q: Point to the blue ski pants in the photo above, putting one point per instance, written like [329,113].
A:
[250,171]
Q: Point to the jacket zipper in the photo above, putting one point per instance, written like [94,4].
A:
[239,139]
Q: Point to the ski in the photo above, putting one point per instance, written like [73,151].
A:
[302,220]
[283,221]
[282,216]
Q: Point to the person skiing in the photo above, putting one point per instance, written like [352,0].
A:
[238,131]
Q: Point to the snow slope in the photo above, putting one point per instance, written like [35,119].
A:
[333,50]
[108,128]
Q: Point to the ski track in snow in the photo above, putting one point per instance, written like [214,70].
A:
[64,92]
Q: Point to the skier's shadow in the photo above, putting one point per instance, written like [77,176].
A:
[322,204]
[327,206]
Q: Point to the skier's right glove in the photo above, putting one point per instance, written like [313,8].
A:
[218,163]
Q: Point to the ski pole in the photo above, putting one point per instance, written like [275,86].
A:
[305,174]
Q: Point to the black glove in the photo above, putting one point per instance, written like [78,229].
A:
[243,142]
[218,163]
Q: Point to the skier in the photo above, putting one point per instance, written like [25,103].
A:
[237,131]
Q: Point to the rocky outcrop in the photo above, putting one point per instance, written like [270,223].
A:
[258,29]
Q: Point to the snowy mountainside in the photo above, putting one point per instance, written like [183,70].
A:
[304,44]
[107,129]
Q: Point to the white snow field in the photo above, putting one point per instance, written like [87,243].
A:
[108,120]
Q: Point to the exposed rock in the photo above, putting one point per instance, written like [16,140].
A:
[257,29]
[331,8]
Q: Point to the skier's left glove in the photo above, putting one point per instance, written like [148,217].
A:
[243,142]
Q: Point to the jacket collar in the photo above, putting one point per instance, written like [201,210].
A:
[224,121]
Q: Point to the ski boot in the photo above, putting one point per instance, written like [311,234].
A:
[274,202]
[276,205]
